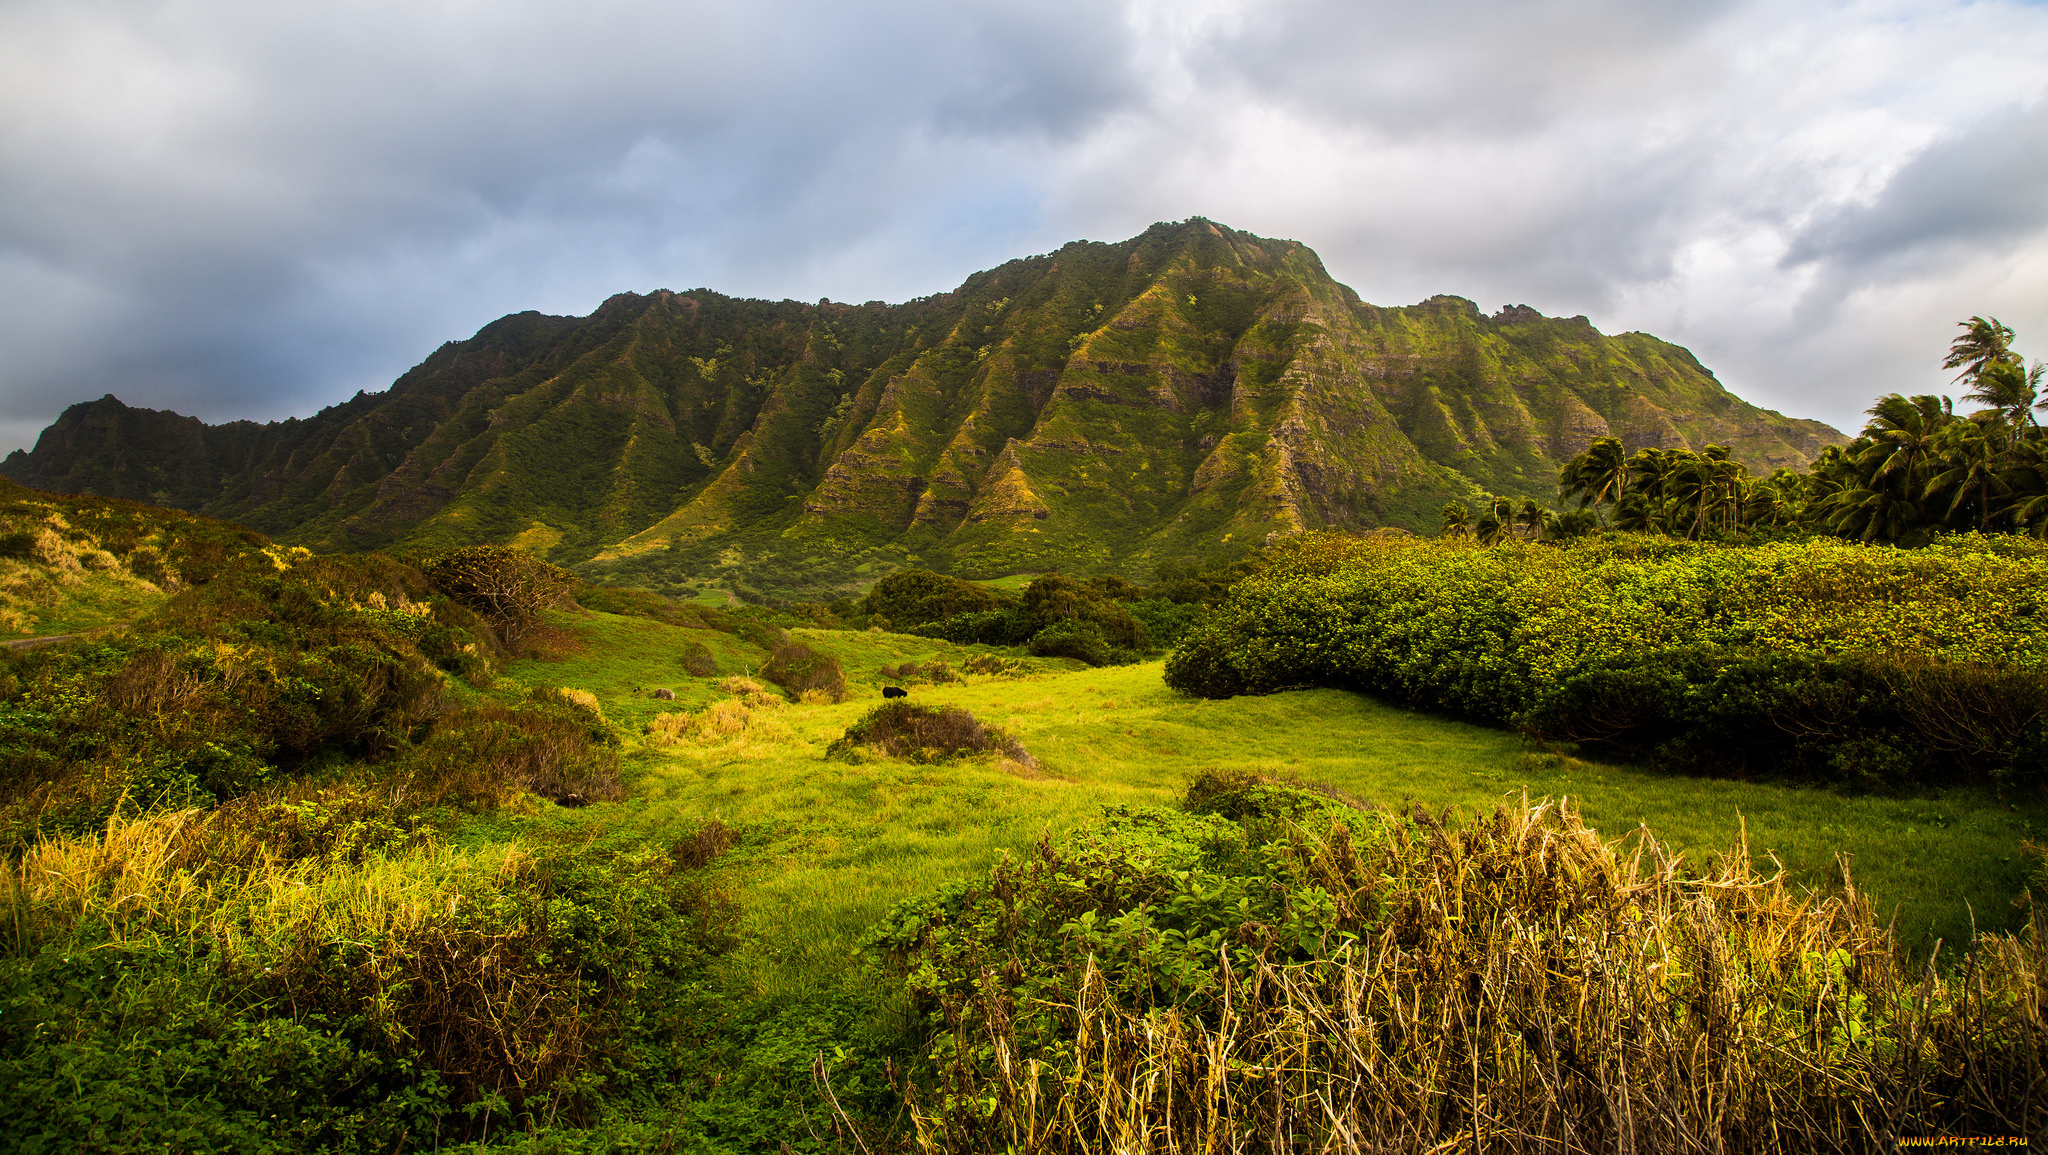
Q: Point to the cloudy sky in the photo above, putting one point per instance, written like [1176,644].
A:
[241,208]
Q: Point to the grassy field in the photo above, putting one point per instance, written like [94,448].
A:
[829,846]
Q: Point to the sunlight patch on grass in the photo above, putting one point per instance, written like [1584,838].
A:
[828,847]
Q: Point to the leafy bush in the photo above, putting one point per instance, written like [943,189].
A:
[1008,627]
[1053,599]
[1074,638]
[1863,664]
[1165,621]
[918,597]
[800,670]
[926,734]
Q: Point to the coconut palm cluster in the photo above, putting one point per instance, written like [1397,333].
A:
[1918,469]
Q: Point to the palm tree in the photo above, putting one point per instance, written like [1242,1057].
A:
[1759,504]
[2025,475]
[1719,488]
[1876,489]
[1781,498]
[1872,515]
[1902,432]
[1648,470]
[1985,342]
[2008,390]
[1497,524]
[1968,454]
[1457,520]
[1598,476]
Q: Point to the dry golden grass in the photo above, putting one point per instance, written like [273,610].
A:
[1530,987]
[752,693]
[742,722]
[583,698]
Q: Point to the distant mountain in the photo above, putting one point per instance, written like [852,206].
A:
[1104,407]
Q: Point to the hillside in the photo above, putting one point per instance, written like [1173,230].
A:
[1100,408]
[69,565]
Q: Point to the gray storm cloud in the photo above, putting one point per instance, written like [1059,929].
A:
[243,209]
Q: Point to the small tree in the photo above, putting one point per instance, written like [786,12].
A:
[508,587]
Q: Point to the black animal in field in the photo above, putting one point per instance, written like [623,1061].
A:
[895,692]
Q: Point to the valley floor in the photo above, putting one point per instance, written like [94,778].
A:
[827,846]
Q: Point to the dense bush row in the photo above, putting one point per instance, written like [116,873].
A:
[1099,620]
[1863,664]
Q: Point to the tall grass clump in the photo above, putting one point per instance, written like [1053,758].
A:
[1281,973]
[51,546]
[732,720]
[488,755]
[1866,665]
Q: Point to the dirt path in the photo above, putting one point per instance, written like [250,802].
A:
[53,639]
[32,643]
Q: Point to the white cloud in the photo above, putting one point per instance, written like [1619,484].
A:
[245,209]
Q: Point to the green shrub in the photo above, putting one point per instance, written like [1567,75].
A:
[1054,599]
[1165,621]
[919,597]
[1008,627]
[926,734]
[1074,638]
[800,670]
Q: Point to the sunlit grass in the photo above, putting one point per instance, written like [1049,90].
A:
[92,601]
[830,846]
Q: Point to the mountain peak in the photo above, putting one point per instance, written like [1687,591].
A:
[1103,407]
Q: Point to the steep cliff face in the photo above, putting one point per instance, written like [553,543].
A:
[1103,407]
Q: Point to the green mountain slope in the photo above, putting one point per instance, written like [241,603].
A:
[1104,407]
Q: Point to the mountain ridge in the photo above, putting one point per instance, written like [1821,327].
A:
[1103,407]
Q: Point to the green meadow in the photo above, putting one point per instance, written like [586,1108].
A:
[828,846]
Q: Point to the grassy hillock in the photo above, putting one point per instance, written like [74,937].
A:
[353,853]
[71,564]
